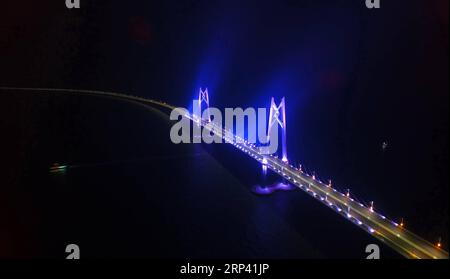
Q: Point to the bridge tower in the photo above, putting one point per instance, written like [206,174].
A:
[277,116]
[203,97]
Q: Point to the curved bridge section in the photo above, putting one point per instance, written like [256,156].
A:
[401,240]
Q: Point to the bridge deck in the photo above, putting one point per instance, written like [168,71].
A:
[400,239]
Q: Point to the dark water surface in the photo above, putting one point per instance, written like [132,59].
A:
[130,192]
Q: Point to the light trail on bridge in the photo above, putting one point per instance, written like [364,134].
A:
[389,232]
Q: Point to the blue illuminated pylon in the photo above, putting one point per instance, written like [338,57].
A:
[203,97]
[277,116]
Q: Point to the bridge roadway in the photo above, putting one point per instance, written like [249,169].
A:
[401,240]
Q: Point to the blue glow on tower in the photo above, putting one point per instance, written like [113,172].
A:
[277,116]
[203,97]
